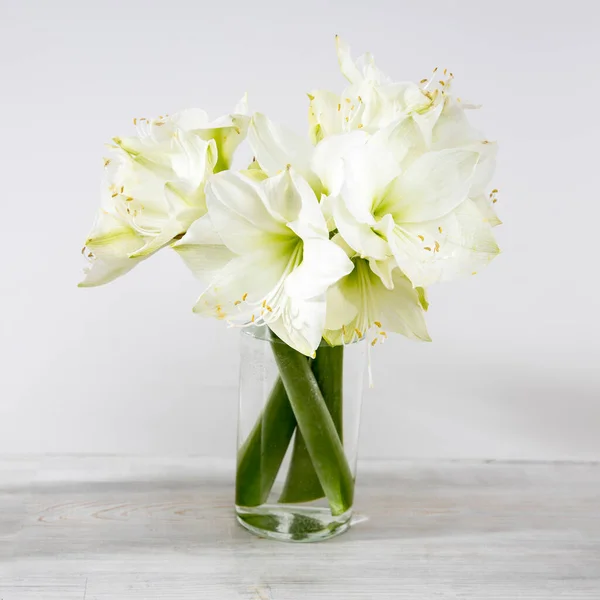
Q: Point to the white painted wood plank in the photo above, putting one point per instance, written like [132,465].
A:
[164,529]
[42,588]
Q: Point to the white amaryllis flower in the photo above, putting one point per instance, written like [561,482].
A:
[283,261]
[373,102]
[154,187]
[398,198]
[370,102]
[374,295]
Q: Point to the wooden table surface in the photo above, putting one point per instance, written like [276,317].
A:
[100,528]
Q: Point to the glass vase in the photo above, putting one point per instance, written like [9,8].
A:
[298,432]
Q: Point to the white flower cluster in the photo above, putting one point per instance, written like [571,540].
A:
[330,236]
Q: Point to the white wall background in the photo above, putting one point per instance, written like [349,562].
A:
[513,370]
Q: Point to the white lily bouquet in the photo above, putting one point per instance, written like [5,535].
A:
[321,242]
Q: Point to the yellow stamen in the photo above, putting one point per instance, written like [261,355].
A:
[374,342]
[421,238]
[378,323]
[244,297]
[339,107]
[474,273]
[440,229]
[114,195]
[424,81]
[360,125]
[348,100]
[237,302]
[134,121]
[269,308]
[428,248]
[383,333]
[358,332]
[264,303]
[437,246]
[106,162]
[252,319]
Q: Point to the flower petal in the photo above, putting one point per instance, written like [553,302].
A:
[202,249]
[347,65]
[435,184]
[384,270]
[108,250]
[240,290]
[360,301]
[169,230]
[486,208]
[301,323]
[485,167]
[458,244]
[323,263]
[282,196]
[400,309]
[238,211]
[452,127]
[359,236]
[404,141]
[227,135]
[276,147]
[330,154]
[310,221]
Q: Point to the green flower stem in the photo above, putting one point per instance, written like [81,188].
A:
[261,455]
[302,483]
[328,367]
[317,427]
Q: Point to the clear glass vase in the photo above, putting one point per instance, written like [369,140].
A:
[297,437]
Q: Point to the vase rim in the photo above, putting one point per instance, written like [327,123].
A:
[262,332]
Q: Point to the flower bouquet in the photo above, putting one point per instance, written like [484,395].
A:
[318,249]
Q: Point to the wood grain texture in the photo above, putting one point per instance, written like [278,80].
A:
[110,528]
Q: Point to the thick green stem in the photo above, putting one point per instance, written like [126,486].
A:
[261,455]
[302,483]
[317,427]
